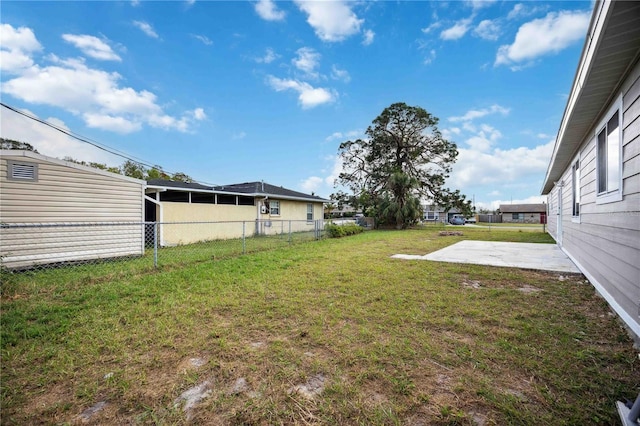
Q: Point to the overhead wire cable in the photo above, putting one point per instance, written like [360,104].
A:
[94,143]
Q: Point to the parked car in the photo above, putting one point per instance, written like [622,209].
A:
[456,221]
[470,220]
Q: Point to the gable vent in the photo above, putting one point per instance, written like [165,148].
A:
[23,171]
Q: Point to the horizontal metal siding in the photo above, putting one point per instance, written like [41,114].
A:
[65,194]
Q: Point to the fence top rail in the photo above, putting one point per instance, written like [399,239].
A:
[4,225]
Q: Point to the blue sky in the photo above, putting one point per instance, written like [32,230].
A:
[230,92]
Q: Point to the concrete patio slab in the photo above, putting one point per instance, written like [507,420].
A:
[546,257]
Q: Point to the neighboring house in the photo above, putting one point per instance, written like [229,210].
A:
[592,183]
[523,213]
[435,213]
[268,209]
[345,211]
[40,190]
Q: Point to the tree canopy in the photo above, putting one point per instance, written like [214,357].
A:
[403,159]
[13,144]
[128,168]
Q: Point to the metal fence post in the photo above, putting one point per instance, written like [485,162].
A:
[290,232]
[155,244]
[244,238]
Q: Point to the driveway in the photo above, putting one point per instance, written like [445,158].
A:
[547,257]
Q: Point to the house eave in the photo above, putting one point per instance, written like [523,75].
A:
[608,55]
[243,194]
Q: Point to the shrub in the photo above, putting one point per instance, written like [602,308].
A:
[337,231]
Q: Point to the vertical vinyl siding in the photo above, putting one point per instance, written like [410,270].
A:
[64,194]
[606,240]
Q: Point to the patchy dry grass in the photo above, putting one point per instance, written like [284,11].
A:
[329,332]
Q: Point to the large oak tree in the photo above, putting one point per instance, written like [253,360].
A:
[403,159]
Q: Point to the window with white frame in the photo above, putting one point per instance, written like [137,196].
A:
[432,216]
[608,157]
[274,207]
[309,212]
[517,216]
[575,188]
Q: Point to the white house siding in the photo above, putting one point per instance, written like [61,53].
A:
[605,240]
[66,193]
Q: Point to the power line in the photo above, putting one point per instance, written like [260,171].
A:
[93,143]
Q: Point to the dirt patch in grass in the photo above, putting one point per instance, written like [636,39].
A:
[333,332]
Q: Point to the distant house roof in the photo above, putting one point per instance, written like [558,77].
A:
[440,209]
[523,208]
[253,189]
[174,184]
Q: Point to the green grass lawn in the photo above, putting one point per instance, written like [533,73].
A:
[381,340]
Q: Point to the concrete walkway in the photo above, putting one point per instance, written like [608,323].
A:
[547,257]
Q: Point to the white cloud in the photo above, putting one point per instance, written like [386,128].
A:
[477,113]
[268,11]
[521,10]
[116,124]
[487,30]
[430,57]
[480,4]
[332,21]
[517,11]
[540,37]
[94,95]
[457,31]
[335,168]
[485,139]
[343,135]
[17,47]
[312,184]
[269,56]
[92,46]
[49,141]
[204,39]
[199,114]
[338,74]
[367,37]
[449,133]
[500,166]
[308,96]
[433,26]
[307,61]
[495,204]
[146,28]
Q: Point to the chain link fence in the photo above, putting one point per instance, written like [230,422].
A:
[143,245]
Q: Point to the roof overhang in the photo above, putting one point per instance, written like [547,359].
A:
[611,49]
[243,194]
